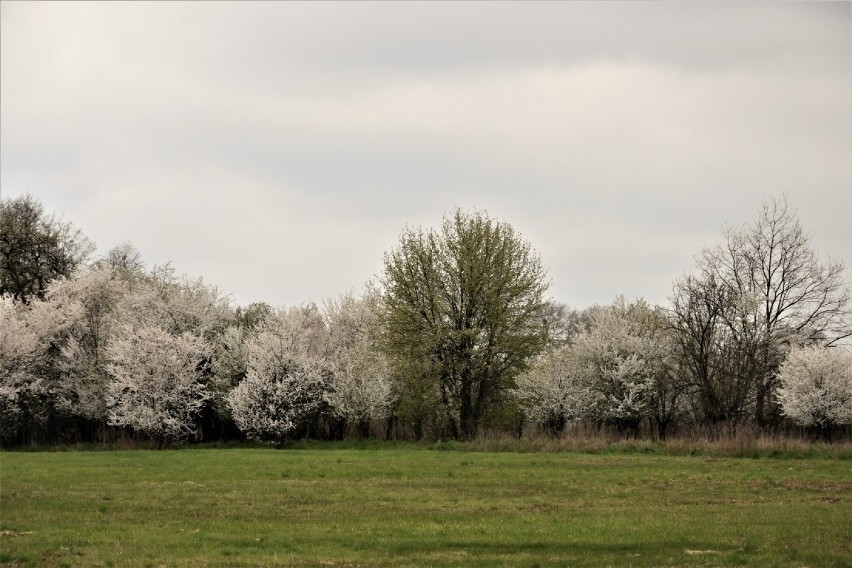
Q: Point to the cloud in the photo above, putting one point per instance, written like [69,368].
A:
[278,149]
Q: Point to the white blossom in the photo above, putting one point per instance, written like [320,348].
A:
[177,304]
[285,380]
[155,383]
[816,386]
[32,337]
[362,390]
[549,392]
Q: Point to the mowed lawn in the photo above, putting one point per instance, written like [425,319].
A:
[408,505]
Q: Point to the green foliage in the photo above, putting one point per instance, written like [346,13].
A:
[464,314]
[36,248]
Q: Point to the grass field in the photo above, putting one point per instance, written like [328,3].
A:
[409,505]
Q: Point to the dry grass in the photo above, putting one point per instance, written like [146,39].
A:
[742,443]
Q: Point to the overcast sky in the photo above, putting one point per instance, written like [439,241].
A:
[278,149]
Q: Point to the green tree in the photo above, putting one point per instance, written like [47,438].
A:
[465,306]
[36,248]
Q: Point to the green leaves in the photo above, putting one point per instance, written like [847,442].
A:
[467,300]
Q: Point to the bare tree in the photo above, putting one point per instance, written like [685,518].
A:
[709,367]
[758,293]
[123,258]
[562,324]
[788,294]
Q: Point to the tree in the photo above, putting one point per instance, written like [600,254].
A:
[780,292]
[622,362]
[155,382]
[562,324]
[124,258]
[253,315]
[815,388]
[33,339]
[286,378]
[230,364]
[549,393]
[362,390]
[99,292]
[651,325]
[715,371]
[178,304]
[36,248]
[18,345]
[467,303]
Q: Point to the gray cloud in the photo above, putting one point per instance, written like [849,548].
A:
[278,149]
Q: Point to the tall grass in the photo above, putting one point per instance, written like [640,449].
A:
[743,443]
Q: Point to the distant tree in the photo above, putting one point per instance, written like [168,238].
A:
[155,382]
[36,248]
[253,315]
[617,370]
[18,345]
[717,372]
[467,303]
[230,350]
[178,304]
[123,258]
[230,366]
[562,324]
[778,292]
[33,339]
[668,402]
[362,390]
[10,413]
[815,388]
[620,361]
[98,294]
[550,393]
[286,379]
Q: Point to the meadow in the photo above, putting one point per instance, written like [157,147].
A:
[413,505]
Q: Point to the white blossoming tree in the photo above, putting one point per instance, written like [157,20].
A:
[816,388]
[362,390]
[33,338]
[155,384]
[98,293]
[620,360]
[549,392]
[285,380]
[17,347]
[178,304]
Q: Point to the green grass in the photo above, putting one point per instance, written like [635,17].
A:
[391,505]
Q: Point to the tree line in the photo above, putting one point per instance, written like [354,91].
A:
[454,337]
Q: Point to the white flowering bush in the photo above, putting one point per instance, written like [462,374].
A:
[816,388]
[549,392]
[285,381]
[362,390]
[155,382]
[33,337]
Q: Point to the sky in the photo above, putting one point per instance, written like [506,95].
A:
[278,150]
